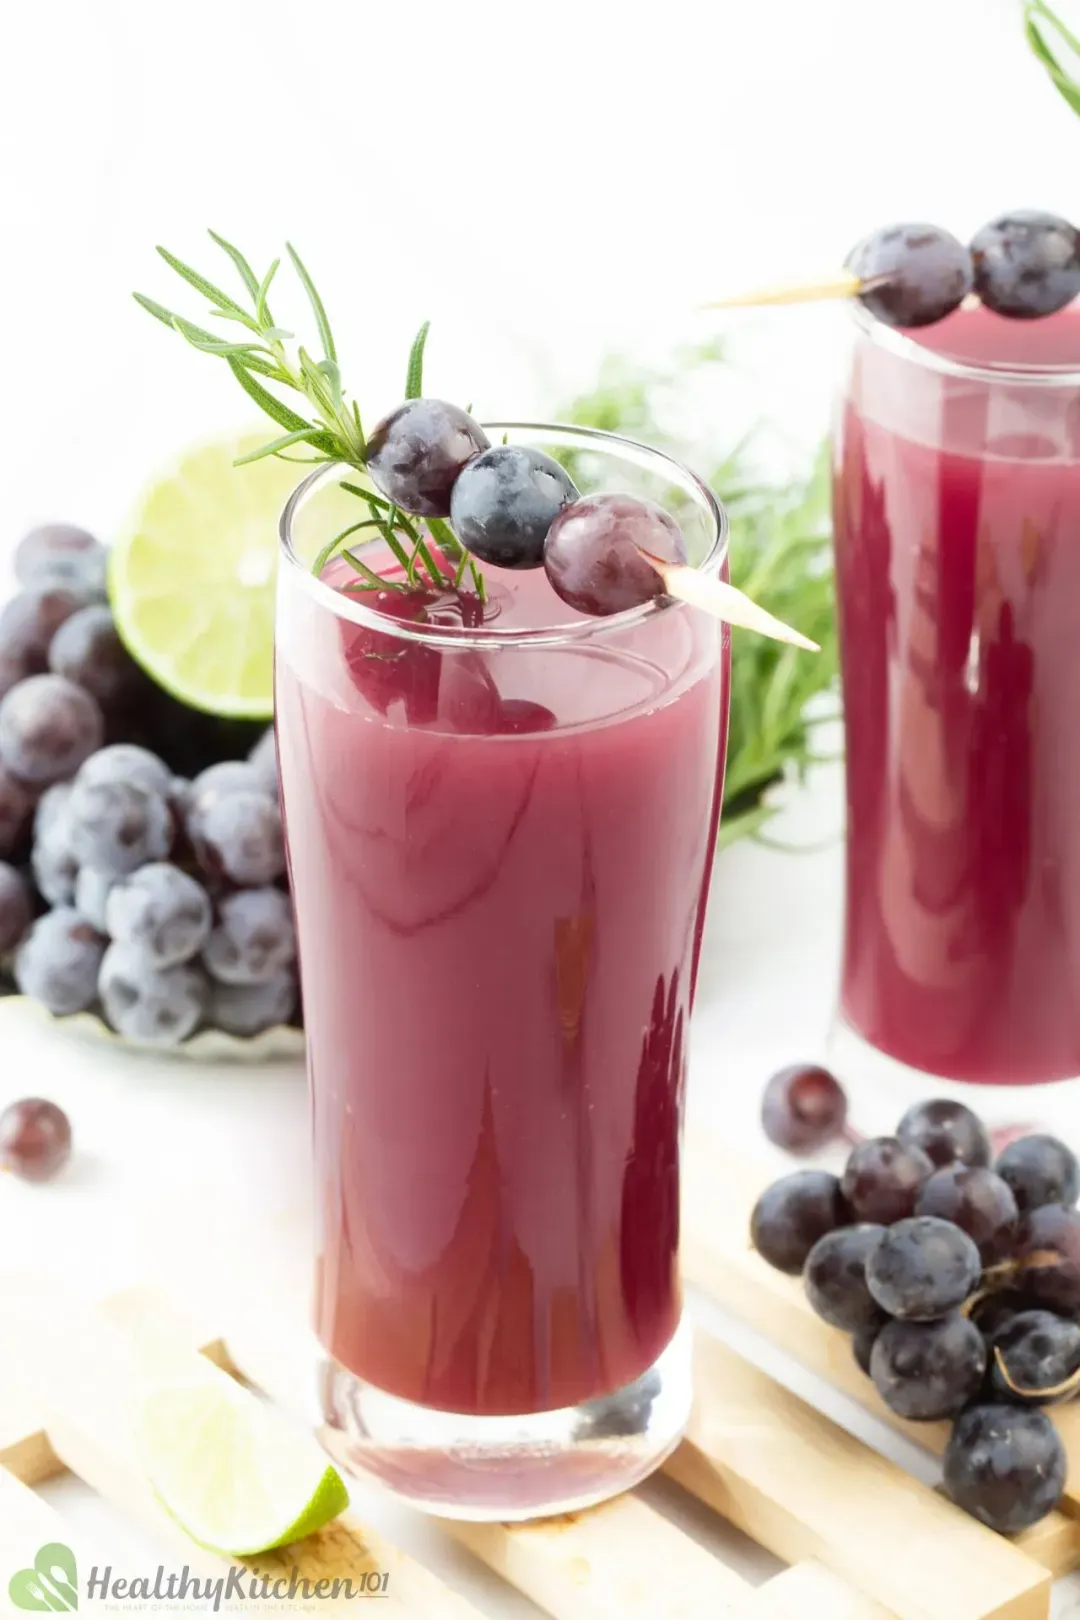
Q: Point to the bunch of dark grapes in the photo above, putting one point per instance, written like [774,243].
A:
[142,865]
[959,1283]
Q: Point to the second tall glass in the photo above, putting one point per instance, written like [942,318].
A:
[500,837]
[957,516]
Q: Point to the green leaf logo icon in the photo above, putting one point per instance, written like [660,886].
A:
[52,1586]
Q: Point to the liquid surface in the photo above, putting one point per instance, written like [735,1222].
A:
[957,507]
[499,860]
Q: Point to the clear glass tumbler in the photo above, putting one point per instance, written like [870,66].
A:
[957,513]
[500,827]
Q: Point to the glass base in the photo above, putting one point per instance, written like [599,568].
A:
[503,1468]
[880,1088]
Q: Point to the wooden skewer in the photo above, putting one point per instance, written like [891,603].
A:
[843,284]
[724,602]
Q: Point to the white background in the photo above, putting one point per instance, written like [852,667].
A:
[544,182]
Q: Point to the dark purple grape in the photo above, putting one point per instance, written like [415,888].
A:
[61,554]
[16,910]
[127,763]
[35,1139]
[415,454]
[923,1268]
[911,275]
[924,1371]
[835,1277]
[148,1005]
[1040,1170]
[87,650]
[505,501]
[792,1214]
[977,1201]
[162,912]
[263,760]
[245,1009]
[48,726]
[882,1178]
[92,890]
[239,838]
[217,782]
[1048,1249]
[864,1339]
[253,939]
[16,812]
[592,559]
[993,1311]
[1027,264]
[30,622]
[58,961]
[1035,1359]
[1005,1465]
[116,827]
[947,1131]
[803,1107]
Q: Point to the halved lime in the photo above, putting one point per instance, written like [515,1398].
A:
[230,1469]
[192,579]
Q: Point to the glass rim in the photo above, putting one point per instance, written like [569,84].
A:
[907,347]
[349,608]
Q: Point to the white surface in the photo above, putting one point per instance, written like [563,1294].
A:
[544,183]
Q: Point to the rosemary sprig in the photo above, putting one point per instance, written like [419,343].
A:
[1036,14]
[331,427]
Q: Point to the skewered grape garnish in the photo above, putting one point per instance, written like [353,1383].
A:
[35,1139]
[1022,265]
[911,275]
[1027,264]
[511,507]
[950,1294]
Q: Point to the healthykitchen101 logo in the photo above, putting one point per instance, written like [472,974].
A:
[51,1586]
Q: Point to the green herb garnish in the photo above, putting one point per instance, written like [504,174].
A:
[331,428]
[1037,14]
[781,556]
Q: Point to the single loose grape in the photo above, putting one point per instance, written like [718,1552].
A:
[803,1107]
[35,1139]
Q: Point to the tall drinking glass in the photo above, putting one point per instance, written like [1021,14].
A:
[957,511]
[500,826]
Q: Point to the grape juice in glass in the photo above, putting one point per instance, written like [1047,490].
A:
[957,511]
[500,825]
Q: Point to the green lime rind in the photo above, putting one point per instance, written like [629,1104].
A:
[192,578]
[231,1471]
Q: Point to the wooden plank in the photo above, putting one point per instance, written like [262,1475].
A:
[81,1366]
[622,1561]
[720,1189]
[803,1487]
[580,1567]
[809,1591]
[28,1524]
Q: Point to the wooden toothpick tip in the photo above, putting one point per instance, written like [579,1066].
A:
[841,284]
[724,602]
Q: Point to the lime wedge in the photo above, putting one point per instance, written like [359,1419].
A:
[192,579]
[230,1469]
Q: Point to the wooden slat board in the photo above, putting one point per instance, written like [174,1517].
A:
[721,1188]
[864,1541]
